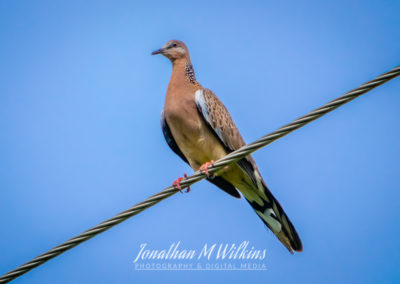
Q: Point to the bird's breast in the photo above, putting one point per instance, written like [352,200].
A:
[193,137]
[184,121]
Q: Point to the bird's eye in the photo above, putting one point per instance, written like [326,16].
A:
[174,45]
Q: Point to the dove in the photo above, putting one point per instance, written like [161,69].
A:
[199,129]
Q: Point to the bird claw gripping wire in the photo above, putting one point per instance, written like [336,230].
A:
[177,184]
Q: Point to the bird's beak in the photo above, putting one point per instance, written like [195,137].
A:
[158,51]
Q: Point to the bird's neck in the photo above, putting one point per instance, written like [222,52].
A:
[182,70]
[181,88]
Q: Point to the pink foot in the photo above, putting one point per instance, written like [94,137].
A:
[177,183]
[204,167]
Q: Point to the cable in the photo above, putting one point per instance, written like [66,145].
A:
[197,176]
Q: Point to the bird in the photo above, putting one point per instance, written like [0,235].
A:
[199,129]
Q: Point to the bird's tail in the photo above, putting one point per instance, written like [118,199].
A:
[271,213]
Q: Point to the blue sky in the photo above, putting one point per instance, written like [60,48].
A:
[80,103]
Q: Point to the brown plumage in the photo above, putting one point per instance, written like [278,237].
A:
[199,128]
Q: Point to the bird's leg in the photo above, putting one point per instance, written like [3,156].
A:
[177,183]
[204,167]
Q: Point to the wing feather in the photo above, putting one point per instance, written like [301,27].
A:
[221,123]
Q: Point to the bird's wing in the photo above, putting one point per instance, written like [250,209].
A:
[216,180]
[258,195]
[220,122]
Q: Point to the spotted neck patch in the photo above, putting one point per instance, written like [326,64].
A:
[189,72]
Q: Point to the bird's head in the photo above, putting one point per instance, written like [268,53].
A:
[173,50]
